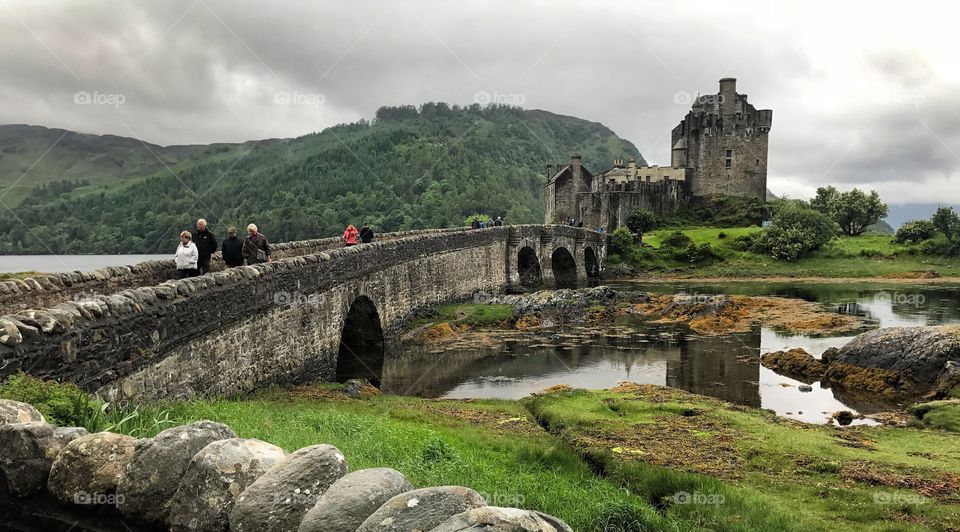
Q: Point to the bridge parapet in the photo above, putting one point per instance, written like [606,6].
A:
[46,290]
[231,331]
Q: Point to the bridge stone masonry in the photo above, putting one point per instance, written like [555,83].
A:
[323,315]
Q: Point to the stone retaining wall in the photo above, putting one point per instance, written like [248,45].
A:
[202,477]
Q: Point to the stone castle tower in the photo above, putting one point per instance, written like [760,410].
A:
[723,143]
[720,147]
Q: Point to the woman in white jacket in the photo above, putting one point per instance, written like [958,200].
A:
[186,256]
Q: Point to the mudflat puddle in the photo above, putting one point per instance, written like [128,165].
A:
[724,366]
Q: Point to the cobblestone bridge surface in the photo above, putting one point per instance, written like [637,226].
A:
[318,311]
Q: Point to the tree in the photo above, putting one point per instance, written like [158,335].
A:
[795,231]
[915,231]
[642,220]
[854,211]
[821,202]
[947,222]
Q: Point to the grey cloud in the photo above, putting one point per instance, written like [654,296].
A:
[208,71]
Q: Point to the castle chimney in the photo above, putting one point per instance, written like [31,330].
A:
[575,167]
[632,165]
[728,95]
[549,171]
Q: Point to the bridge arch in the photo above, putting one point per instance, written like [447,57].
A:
[591,264]
[362,344]
[528,266]
[564,268]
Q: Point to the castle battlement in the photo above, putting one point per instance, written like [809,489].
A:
[719,147]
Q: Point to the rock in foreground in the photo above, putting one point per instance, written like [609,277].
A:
[157,467]
[279,499]
[89,468]
[422,509]
[493,518]
[27,452]
[353,498]
[17,412]
[216,476]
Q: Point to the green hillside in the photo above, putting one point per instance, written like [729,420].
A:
[407,168]
[34,156]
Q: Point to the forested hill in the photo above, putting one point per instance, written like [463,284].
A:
[407,168]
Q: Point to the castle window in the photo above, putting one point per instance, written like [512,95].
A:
[728,159]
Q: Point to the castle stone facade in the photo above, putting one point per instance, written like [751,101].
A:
[720,147]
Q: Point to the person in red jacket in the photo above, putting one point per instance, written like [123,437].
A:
[350,235]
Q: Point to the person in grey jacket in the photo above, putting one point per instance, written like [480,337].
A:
[256,248]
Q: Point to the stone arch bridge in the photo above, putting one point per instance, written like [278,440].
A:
[318,312]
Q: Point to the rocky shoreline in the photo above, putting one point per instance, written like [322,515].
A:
[898,363]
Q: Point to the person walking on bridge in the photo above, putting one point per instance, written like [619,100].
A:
[232,249]
[256,249]
[366,234]
[186,257]
[206,246]
[350,235]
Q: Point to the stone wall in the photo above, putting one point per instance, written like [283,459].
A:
[231,331]
[47,290]
[611,208]
[201,476]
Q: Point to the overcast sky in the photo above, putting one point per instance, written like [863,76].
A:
[864,93]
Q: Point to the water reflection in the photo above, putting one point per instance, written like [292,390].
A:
[726,367]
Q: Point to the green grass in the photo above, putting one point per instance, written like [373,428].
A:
[6,276]
[472,314]
[862,256]
[788,476]
[600,465]
[940,414]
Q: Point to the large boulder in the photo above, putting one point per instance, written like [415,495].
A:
[496,519]
[422,509]
[27,452]
[904,356]
[157,467]
[17,412]
[353,498]
[89,468]
[278,500]
[796,364]
[215,477]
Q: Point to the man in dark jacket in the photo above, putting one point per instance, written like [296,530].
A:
[366,234]
[206,246]
[232,249]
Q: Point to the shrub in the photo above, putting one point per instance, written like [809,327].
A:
[621,241]
[745,242]
[940,247]
[676,240]
[694,253]
[947,222]
[60,404]
[642,220]
[915,231]
[721,235]
[795,232]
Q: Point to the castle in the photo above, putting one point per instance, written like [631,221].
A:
[720,147]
